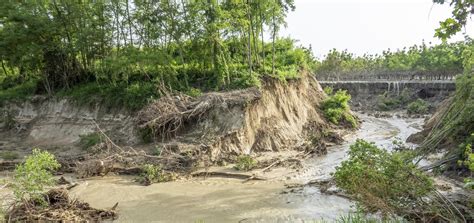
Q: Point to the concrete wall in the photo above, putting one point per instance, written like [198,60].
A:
[364,93]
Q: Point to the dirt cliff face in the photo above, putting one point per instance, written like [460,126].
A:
[277,116]
[277,120]
[58,123]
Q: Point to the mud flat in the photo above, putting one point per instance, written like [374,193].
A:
[224,199]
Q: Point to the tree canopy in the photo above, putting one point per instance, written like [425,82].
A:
[136,44]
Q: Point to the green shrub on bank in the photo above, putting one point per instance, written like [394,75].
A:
[466,160]
[467,155]
[154,174]
[417,107]
[245,163]
[32,176]
[336,107]
[194,92]
[386,103]
[381,181]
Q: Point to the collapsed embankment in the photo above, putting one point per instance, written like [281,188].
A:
[276,117]
[188,131]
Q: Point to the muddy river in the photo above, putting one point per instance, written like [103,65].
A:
[231,200]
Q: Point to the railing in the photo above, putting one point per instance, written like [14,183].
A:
[388,75]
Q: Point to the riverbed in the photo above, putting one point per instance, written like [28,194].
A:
[232,200]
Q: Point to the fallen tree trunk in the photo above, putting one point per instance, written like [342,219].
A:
[227,175]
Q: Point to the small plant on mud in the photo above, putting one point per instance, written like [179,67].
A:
[245,163]
[417,107]
[194,92]
[32,176]
[89,140]
[382,181]
[336,107]
[9,155]
[154,174]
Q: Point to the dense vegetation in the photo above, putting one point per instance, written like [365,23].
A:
[391,184]
[336,107]
[456,122]
[419,106]
[129,51]
[418,61]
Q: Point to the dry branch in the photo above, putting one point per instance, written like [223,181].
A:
[60,208]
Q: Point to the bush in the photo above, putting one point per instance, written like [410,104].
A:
[89,140]
[466,160]
[382,181]
[32,176]
[328,90]
[386,103]
[194,92]
[467,155]
[336,107]
[417,107]
[154,174]
[8,155]
[245,163]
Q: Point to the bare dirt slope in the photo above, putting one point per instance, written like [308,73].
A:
[215,126]
[279,116]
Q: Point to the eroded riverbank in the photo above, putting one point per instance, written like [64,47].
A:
[231,200]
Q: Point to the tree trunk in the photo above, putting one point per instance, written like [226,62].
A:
[273,43]
[129,24]
[249,44]
[4,69]
[117,23]
[263,43]
[254,37]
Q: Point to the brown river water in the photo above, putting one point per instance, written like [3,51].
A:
[231,200]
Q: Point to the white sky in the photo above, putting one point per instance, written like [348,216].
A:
[366,26]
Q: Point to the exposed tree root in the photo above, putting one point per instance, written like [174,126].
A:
[113,158]
[169,114]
